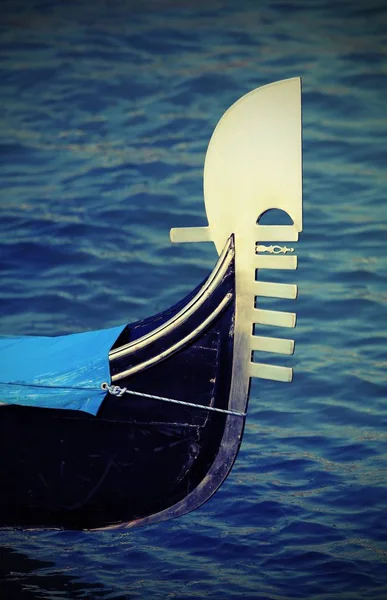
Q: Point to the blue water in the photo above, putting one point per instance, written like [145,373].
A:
[107,109]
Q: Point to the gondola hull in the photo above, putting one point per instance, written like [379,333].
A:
[137,424]
[139,456]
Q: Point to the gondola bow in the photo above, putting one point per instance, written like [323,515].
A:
[160,418]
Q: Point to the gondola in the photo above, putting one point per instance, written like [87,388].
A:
[141,423]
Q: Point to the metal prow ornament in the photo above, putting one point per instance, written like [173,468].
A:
[254,164]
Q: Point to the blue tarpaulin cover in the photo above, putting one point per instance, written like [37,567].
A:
[56,372]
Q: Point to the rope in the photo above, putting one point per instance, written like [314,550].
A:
[116,390]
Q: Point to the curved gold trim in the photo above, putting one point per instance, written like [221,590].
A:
[212,282]
[194,333]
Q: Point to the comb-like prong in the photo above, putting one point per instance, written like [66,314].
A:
[275,290]
[274,317]
[273,372]
[270,344]
[289,263]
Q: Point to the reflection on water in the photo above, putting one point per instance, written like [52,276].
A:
[24,577]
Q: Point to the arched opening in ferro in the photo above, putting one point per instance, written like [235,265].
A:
[274,216]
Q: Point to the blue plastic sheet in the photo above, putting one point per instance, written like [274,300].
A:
[56,372]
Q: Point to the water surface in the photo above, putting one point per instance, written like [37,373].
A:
[107,109]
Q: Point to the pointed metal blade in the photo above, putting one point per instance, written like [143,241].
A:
[253,161]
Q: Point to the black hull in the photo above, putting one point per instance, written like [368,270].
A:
[139,460]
